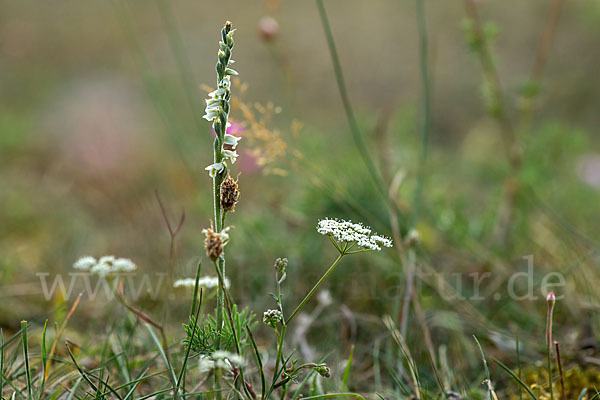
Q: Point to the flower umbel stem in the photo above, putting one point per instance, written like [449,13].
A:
[315,288]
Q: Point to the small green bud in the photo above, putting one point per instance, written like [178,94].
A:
[217,126]
[413,238]
[280,265]
[220,70]
[323,370]
[229,39]
[222,57]
[273,318]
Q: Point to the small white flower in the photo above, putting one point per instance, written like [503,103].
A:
[324,298]
[230,155]
[232,140]
[123,265]
[219,93]
[214,169]
[211,114]
[85,263]
[225,83]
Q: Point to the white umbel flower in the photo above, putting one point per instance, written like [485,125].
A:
[208,282]
[123,265]
[85,263]
[220,359]
[105,266]
[350,232]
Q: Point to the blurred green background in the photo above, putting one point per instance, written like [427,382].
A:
[101,105]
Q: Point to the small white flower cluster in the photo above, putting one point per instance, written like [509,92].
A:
[349,232]
[220,359]
[105,266]
[208,282]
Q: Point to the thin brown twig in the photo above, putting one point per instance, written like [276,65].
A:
[493,78]
[491,74]
[541,60]
[172,236]
[426,333]
[560,371]
[59,333]
[509,137]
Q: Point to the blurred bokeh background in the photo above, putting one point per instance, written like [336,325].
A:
[101,105]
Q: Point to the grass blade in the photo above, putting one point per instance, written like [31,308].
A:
[74,388]
[263,381]
[81,371]
[26,355]
[519,369]
[515,377]
[44,359]
[87,379]
[59,334]
[163,355]
[334,395]
[1,361]
[354,129]
[347,370]
[195,315]
[485,364]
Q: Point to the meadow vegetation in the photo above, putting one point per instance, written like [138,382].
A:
[273,234]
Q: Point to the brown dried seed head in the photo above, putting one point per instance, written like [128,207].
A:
[213,244]
[229,194]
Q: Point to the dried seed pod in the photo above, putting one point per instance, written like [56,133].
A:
[213,244]
[229,194]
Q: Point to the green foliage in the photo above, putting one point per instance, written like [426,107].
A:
[206,337]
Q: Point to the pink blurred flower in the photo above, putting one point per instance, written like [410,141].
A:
[268,28]
[247,162]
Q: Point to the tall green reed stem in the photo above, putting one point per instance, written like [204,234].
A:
[354,129]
